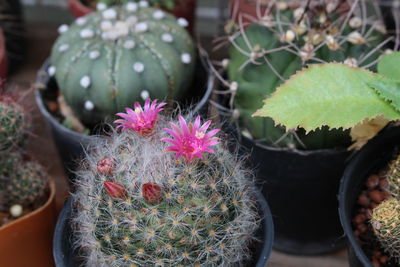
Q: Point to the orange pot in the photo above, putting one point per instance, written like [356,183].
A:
[27,241]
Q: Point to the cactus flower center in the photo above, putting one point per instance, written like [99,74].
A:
[105,166]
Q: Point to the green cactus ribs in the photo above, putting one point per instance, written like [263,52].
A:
[14,123]
[101,4]
[111,58]
[143,206]
[289,37]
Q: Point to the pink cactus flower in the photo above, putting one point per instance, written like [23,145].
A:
[190,141]
[140,120]
[115,190]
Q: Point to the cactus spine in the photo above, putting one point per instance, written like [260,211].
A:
[288,37]
[143,206]
[110,58]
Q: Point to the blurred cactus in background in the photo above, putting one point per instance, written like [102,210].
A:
[110,58]
[156,196]
[14,123]
[288,36]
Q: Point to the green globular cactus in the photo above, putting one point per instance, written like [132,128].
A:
[140,205]
[110,58]
[13,123]
[386,224]
[287,38]
[21,182]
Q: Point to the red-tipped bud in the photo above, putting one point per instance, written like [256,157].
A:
[115,190]
[151,192]
[105,166]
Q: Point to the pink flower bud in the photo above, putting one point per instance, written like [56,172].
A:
[115,190]
[105,166]
[151,192]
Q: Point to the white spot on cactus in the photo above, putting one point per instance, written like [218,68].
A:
[143,4]
[144,94]
[51,70]
[158,14]
[85,81]
[106,25]
[94,54]
[81,21]
[16,210]
[355,22]
[131,7]
[63,28]
[138,67]
[86,33]
[186,58]
[141,27]
[122,28]
[225,63]
[356,38]
[111,35]
[131,20]
[63,47]
[183,22]
[101,6]
[129,44]
[233,86]
[89,105]
[166,37]
[110,14]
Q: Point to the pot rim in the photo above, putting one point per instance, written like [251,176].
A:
[36,212]
[43,78]
[264,210]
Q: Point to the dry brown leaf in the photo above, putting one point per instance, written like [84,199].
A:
[362,132]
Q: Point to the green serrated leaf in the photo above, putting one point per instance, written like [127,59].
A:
[389,90]
[389,66]
[331,94]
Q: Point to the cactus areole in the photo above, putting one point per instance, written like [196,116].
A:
[176,197]
[111,58]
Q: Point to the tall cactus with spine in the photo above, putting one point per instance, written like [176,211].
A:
[113,57]
[386,216]
[288,37]
[142,202]
[13,123]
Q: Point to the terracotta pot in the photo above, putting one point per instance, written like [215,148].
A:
[248,9]
[3,57]
[186,9]
[27,241]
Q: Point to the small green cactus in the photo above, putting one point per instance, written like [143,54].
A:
[110,58]
[13,123]
[289,37]
[140,205]
[21,182]
[386,224]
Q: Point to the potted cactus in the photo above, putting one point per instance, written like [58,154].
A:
[179,8]
[109,59]
[27,214]
[339,96]
[263,55]
[165,192]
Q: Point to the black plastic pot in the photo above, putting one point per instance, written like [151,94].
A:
[65,256]
[301,189]
[374,156]
[71,145]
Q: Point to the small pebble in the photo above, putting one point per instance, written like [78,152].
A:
[376,195]
[360,218]
[383,184]
[16,210]
[363,200]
